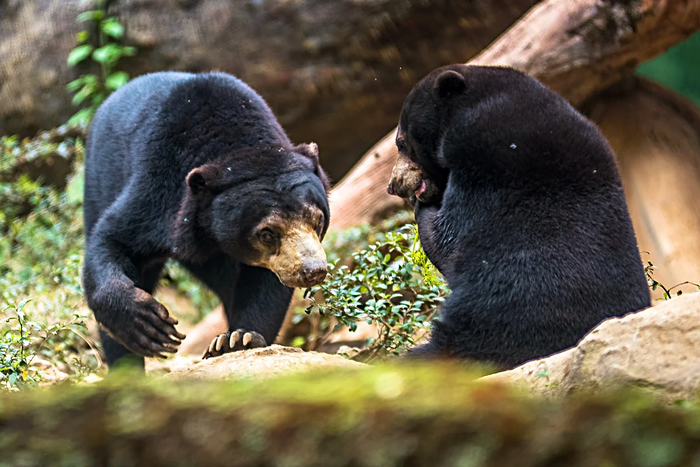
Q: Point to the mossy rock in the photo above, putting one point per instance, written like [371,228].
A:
[402,415]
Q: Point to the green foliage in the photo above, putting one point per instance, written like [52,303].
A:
[391,284]
[105,50]
[40,257]
[22,341]
[14,367]
[678,68]
[654,284]
[340,245]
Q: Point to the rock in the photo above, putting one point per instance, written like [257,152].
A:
[334,72]
[161,367]
[261,363]
[50,374]
[655,349]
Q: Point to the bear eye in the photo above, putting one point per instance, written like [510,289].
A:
[401,146]
[268,237]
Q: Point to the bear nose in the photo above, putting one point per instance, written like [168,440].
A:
[390,190]
[314,273]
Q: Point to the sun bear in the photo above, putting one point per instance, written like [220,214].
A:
[520,205]
[195,167]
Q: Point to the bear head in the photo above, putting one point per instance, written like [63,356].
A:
[265,207]
[426,112]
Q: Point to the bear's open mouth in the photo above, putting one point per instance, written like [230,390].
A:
[421,189]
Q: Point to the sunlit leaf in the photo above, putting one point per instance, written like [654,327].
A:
[79,54]
[92,15]
[113,29]
[116,80]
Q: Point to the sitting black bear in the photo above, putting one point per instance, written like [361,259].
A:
[195,167]
[519,204]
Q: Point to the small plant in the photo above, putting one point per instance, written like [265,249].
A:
[654,284]
[103,47]
[14,364]
[391,285]
[23,340]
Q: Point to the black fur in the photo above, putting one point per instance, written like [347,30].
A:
[532,232]
[141,208]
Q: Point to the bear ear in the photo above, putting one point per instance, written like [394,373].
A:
[449,83]
[197,180]
[309,150]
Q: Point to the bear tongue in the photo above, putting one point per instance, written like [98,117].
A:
[422,188]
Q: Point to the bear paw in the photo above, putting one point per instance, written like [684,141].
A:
[239,339]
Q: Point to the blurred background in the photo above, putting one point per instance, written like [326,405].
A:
[334,72]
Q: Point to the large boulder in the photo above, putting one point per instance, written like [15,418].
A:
[655,349]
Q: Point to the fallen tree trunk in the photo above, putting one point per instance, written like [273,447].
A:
[656,136]
[334,72]
[577,47]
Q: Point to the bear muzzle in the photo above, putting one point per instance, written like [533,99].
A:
[300,261]
[407,180]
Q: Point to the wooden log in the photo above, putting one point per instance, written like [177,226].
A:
[656,136]
[577,47]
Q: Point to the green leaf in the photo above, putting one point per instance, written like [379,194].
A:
[298,341]
[116,80]
[106,54]
[82,117]
[128,51]
[113,29]
[92,15]
[81,95]
[79,54]
[75,85]
[82,36]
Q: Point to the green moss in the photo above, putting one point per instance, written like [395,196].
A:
[390,415]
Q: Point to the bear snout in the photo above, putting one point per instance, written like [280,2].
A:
[301,260]
[314,273]
[406,178]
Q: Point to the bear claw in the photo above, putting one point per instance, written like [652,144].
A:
[234,341]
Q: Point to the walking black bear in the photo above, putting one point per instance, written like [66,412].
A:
[195,167]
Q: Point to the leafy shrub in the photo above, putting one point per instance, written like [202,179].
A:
[22,341]
[40,258]
[103,46]
[391,284]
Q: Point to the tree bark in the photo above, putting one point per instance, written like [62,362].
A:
[656,136]
[334,72]
[577,47]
